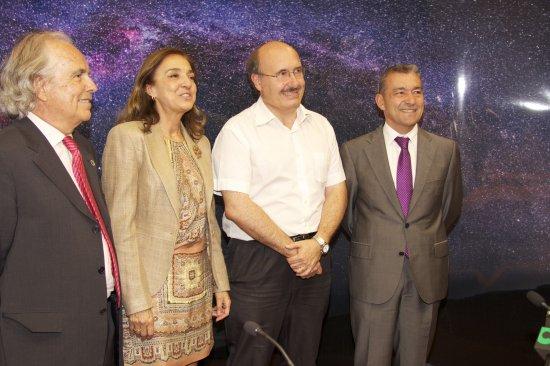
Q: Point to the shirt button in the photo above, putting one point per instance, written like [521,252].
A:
[101,270]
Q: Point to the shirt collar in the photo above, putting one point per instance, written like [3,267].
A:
[390,134]
[52,134]
[264,115]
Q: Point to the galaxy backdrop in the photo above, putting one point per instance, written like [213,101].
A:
[486,71]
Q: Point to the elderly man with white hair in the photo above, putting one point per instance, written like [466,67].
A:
[59,285]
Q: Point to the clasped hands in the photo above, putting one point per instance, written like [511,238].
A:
[303,257]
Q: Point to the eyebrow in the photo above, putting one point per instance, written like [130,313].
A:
[79,71]
[403,88]
[297,67]
[177,69]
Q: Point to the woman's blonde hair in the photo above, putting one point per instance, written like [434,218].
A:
[26,61]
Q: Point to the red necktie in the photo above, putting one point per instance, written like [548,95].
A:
[88,194]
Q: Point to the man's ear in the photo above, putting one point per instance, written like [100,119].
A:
[379,99]
[39,84]
[255,78]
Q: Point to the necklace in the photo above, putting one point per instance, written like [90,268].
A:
[197,150]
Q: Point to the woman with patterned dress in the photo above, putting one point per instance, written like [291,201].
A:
[157,181]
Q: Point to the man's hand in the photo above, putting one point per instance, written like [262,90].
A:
[223,305]
[142,324]
[317,270]
[308,256]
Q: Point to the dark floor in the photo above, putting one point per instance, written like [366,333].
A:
[496,328]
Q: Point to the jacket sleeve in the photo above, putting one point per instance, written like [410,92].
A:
[219,271]
[452,194]
[121,163]
[351,183]
[8,208]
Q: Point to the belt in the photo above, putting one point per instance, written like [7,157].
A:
[303,236]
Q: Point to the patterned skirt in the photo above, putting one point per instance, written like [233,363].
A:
[182,312]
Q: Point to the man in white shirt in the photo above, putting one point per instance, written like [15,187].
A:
[405,196]
[278,169]
[59,285]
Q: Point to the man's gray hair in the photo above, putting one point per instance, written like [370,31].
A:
[26,62]
[399,68]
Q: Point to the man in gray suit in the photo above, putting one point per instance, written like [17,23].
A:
[59,284]
[405,194]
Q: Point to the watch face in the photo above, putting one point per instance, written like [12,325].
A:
[325,248]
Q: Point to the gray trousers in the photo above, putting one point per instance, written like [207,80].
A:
[403,327]
[264,289]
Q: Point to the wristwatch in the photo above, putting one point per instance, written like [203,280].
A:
[322,243]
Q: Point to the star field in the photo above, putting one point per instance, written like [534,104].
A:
[485,68]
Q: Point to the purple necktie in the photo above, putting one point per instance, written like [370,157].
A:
[404,185]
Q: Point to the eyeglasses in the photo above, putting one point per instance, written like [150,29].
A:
[284,75]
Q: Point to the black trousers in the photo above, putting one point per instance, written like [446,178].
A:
[264,289]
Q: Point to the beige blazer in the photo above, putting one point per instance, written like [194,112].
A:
[141,194]
[376,224]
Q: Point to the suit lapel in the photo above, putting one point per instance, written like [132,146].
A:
[91,172]
[378,158]
[160,158]
[204,165]
[424,158]
[45,157]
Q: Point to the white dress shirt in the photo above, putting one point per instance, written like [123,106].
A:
[284,171]
[55,138]
[393,149]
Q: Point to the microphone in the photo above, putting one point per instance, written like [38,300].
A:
[537,300]
[254,329]
[542,345]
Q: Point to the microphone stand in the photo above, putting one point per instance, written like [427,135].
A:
[276,344]
[254,329]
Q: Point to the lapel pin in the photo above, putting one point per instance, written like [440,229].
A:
[92,162]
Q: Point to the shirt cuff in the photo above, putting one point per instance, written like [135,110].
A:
[335,179]
[231,185]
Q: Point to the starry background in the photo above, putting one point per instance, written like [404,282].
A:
[485,66]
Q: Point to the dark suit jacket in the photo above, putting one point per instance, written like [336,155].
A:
[52,288]
[376,224]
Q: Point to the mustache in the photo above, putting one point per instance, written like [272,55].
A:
[291,89]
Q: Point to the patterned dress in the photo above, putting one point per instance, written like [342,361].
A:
[182,309]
